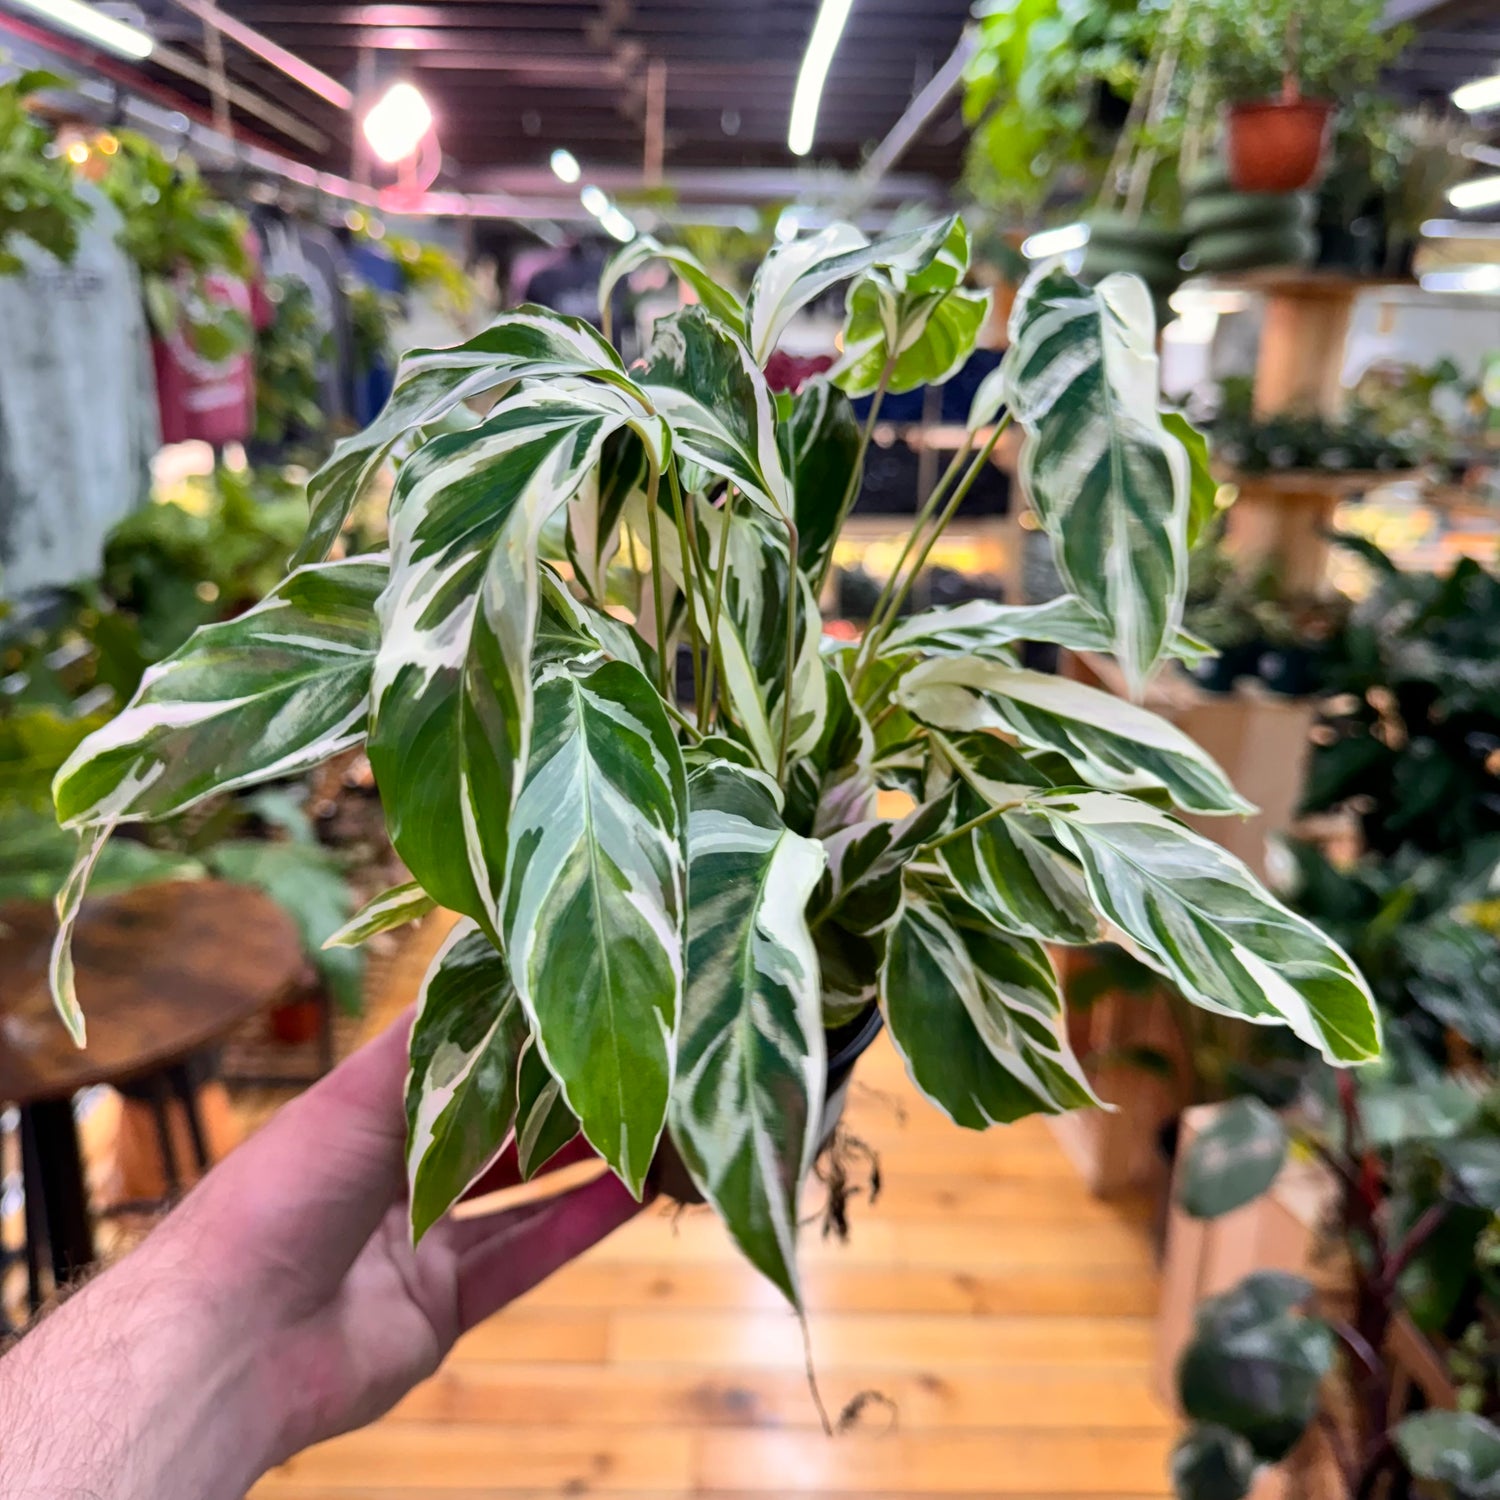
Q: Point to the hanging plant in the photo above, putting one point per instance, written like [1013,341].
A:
[38,198]
[668,901]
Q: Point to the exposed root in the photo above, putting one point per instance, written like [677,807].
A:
[859,1403]
[812,1375]
[887,1101]
[836,1168]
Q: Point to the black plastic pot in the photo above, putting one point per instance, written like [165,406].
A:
[1218,674]
[845,1043]
[1291,671]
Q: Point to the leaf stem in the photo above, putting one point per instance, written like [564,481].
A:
[679,510]
[706,707]
[857,470]
[963,829]
[661,621]
[875,633]
[793,578]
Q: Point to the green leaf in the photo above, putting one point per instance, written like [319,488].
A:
[595,900]
[1473,1168]
[461,1091]
[1108,481]
[1233,1160]
[452,685]
[277,690]
[393,907]
[544,1123]
[1456,1448]
[643,249]
[1112,743]
[1254,1365]
[1212,1463]
[60,972]
[1196,913]
[975,1013]
[594,513]
[525,343]
[747,1105]
[1203,488]
[712,395]
[936,336]
[865,861]
[1008,868]
[819,442]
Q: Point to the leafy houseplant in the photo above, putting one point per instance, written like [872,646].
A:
[667,903]
[38,199]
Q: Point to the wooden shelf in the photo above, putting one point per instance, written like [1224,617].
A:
[1337,484]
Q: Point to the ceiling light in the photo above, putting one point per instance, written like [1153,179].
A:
[1481,278]
[1459,229]
[83,20]
[1482,94]
[821,45]
[595,200]
[1478,192]
[565,166]
[397,123]
[1046,243]
[617,224]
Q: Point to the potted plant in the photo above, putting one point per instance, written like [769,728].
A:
[39,200]
[674,906]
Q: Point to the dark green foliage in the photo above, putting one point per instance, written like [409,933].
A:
[38,198]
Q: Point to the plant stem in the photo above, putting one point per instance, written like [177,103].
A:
[706,707]
[679,511]
[792,578]
[857,471]
[661,621]
[876,633]
[963,829]
[1418,1235]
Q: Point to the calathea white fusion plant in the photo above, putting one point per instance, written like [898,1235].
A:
[666,904]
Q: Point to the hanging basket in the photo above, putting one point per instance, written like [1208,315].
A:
[1277,145]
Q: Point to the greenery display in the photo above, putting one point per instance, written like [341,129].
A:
[291,353]
[1301,442]
[667,902]
[1418,1166]
[176,231]
[38,198]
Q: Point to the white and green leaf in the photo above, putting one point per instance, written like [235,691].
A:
[976,1013]
[1197,914]
[544,1123]
[1112,743]
[819,444]
[271,693]
[688,269]
[1110,483]
[594,903]
[461,1087]
[61,974]
[391,908]
[747,1104]
[527,342]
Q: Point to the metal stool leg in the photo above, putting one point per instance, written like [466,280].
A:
[161,1108]
[34,1216]
[187,1095]
[64,1197]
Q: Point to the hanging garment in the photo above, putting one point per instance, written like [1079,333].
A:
[78,414]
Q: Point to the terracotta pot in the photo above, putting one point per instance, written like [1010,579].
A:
[1277,145]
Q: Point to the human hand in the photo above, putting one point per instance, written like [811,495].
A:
[281,1304]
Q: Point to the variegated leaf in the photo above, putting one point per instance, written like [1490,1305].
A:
[748,1101]
[594,513]
[1203,488]
[976,1013]
[394,907]
[800,271]
[833,785]
[270,693]
[1108,481]
[935,336]
[1112,743]
[714,398]
[525,342]
[1196,913]
[1008,867]
[461,1088]
[60,972]
[863,888]
[819,441]
[594,903]
[544,1123]
[691,271]
[452,684]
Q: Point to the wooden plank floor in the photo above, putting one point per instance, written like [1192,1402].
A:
[1004,1313]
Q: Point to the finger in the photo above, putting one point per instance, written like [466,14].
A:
[323,1172]
[501,1258]
[505,1171]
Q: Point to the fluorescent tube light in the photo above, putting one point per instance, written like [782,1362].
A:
[595,200]
[617,224]
[1478,192]
[821,45]
[1046,243]
[1483,278]
[565,166]
[83,20]
[1484,93]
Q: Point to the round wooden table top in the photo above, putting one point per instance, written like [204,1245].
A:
[163,971]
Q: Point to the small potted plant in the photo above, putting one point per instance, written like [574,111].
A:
[682,911]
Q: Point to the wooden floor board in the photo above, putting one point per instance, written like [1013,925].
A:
[1001,1315]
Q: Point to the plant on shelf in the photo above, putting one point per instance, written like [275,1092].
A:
[177,232]
[38,198]
[677,905]
[291,354]
[1416,1172]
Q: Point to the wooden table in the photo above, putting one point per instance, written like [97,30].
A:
[164,971]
